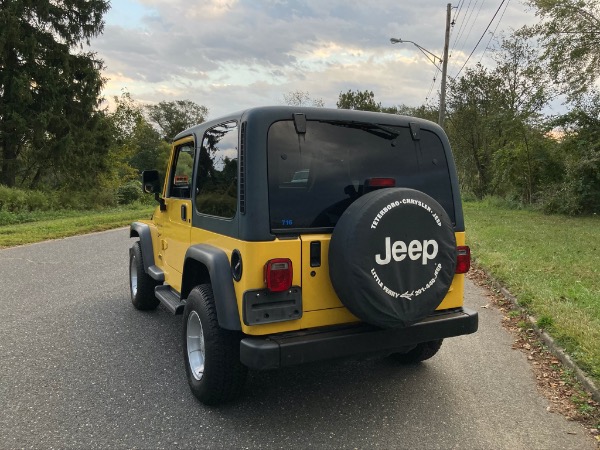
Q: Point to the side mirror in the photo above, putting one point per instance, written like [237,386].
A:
[150,182]
[151,185]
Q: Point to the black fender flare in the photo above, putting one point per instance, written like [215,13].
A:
[216,270]
[142,230]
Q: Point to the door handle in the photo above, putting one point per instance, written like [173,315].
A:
[315,254]
[184,212]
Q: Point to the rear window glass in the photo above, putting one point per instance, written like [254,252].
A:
[314,177]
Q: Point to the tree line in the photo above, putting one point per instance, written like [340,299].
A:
[56,136]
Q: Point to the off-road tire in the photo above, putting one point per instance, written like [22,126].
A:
[223,375]
[141,285]
[420,353]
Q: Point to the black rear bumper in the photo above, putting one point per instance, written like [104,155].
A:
[288,349]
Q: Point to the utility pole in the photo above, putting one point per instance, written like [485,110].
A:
[445,69]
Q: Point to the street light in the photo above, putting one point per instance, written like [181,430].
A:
[426,52]
[443,60]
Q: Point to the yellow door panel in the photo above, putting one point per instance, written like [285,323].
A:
[176,238]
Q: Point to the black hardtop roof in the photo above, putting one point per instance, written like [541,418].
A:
[269,114]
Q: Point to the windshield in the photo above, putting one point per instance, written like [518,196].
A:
[314,177]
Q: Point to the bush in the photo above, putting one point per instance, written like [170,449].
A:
[97,198]
[579,191]
[129,193]
[493,201]
[560,198]
[41,201]
[13,200]
[468,196]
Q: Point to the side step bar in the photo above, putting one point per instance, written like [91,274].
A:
[169,298]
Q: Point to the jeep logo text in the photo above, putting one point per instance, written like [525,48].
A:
[415,250]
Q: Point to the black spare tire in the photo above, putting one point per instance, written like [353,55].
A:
[392,257]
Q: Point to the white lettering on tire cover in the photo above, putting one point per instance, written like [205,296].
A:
[407,295]
[415,249]
[399,250]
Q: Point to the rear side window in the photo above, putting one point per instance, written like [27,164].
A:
[314,177]
[216,179]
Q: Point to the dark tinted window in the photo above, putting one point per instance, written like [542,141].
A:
[216,182]
[314,177]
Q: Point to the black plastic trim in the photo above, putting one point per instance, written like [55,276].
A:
[294,348]
[142,230]
[300,123]
[217,264]
[415,131]
[156,273]
[242,164]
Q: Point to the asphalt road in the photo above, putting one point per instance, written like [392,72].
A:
[80,368]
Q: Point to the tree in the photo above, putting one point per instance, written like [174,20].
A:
[137,145]
[577,189]
[170,118]
[473,107]
[495,123]
[48,94]
[364,101]
[300,98]
[426,112]
[570,35]
[521,162]
[525,84]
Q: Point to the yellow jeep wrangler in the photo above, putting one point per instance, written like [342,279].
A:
[288,235]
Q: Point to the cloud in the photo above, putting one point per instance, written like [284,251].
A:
[232,54]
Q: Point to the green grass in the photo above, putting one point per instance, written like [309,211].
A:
[59,224]
[551,264]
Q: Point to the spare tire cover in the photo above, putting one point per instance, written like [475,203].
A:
[392,257]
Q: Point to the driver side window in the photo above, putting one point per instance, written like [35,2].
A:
[180,183]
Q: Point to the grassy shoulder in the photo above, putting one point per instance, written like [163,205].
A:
[60,224]
[551,264]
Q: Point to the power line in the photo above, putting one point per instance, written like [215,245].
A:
[461,27]
[494,32]
[431,87]
[479,41]
[466,23]
[458,9]
[474,20]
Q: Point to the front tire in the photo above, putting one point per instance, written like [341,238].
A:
[421,352]
[211,354]
[141,285]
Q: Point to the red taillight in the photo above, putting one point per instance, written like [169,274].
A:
[463,260]
[278,274]
[380,182]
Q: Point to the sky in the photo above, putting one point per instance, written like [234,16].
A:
[229,55]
